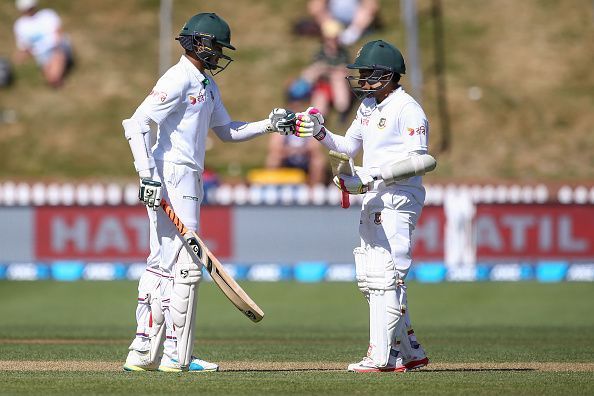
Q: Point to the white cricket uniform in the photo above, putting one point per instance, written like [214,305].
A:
[185,104]
[391,130]
[39,34]
[388,131]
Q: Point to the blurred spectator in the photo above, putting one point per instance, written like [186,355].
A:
[6,76]
[324,81]
[293,152]
[357,17]
[39,33]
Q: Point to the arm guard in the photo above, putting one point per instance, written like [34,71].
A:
[414,165]
[138,135]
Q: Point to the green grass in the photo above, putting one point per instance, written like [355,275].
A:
[509,324]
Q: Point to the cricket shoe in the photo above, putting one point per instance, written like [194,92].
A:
[198,365]
[367,365]
[417,360]
[139,361]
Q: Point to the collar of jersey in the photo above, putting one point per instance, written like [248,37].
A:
[201,78]
[390,97]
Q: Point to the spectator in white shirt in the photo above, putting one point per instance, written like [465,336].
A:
[39,34]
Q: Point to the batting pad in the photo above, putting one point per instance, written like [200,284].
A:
[184,294]
[361,271]
[385,304]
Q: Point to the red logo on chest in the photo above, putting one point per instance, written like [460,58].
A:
[196,99]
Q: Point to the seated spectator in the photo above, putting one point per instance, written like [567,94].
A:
[324,81]
[357,17]
[293,152]
[39,34]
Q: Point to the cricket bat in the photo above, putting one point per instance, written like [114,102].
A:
[342,163]
[219,275]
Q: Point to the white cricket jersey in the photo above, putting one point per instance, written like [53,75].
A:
[186,104]
[389,131]
[38,33]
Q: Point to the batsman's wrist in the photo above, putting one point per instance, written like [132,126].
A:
[320,135]
[145,174]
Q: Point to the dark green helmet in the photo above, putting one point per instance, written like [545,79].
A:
[379,53]
[205,34]
[378,61]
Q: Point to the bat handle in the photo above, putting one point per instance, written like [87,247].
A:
[176,220]
[345,201]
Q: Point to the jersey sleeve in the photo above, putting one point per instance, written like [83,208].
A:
[164,99]
[414,127]
[220,116]
[354,130]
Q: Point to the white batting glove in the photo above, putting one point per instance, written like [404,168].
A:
[282,121]
[310,123]
[150,193]
[357,184]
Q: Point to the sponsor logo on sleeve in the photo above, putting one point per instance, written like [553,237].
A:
[158,95]
[417,131]
[193,99]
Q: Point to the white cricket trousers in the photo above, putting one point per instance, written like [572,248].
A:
[182,188]
[388,218]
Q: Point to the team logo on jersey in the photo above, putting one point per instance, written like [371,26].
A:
[378,218]
[382,123]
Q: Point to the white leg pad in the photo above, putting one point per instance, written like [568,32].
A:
[360,271]
[157,330]
[184,294]
[387,298]
[147,287]
[405,345]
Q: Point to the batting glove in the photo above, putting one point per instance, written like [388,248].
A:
[282,121]
[310,123]
[357,184]
[150,193]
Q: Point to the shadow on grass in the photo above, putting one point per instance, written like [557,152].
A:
[410,371]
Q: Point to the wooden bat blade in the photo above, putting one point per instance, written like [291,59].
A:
[341,163]
[224,281]
[219,275]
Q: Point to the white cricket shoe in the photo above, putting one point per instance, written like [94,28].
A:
[367,365]
[139,361]
[172,365]
[417,360]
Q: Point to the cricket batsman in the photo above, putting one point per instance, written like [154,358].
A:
[185,103]
[393,132]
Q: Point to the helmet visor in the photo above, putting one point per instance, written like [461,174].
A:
[366,81]
[208,50]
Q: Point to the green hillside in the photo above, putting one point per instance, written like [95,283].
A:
[531,60]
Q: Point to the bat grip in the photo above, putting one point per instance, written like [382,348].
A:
[345,201]
[176,220]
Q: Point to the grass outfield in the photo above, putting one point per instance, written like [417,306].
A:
[482,338]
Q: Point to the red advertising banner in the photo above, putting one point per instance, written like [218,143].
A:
[519,232]
[503,232]
[115,233]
